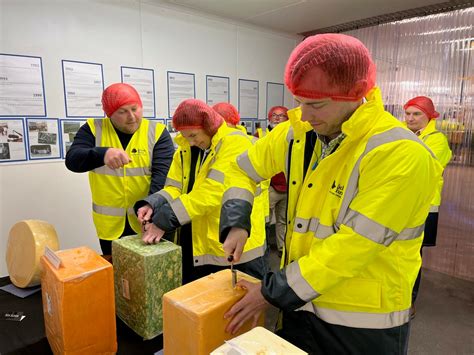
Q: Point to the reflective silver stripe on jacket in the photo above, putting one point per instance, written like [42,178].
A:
[98,132]
[216,175]
[359,319]
[434,208]
[298,283]
[166,195]
[109,211]
[237,193]
[258,191]
[105,170]
[222,260]
[180,212]
[377,232]
[174,183]
[244,163]
[320,231]
[389,136]
[131,211]
[151,139]
[289,138]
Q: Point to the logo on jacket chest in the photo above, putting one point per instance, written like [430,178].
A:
[336,189]
[136,151]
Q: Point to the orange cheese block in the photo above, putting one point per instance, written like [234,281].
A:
[193,314]
[26,243]
[78,303]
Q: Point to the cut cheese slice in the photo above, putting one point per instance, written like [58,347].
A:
[26,243]
[258,341]
[193,314]
[78,303]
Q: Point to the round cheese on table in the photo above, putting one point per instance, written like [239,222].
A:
[26,244]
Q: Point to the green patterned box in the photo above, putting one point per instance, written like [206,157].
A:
[142,274]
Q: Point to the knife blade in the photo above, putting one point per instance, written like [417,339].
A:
[230,259]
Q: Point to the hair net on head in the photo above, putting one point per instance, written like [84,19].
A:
[330,66]
[424,104]
[228,112]
[193,113]
[274,108]
[118,95]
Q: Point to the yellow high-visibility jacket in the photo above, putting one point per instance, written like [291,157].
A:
[353,254]
[115,191]
[213,185]
[438,143]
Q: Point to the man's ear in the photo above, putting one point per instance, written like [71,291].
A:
[359,89]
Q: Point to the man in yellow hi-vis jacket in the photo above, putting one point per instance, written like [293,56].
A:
[127,158]
[420,118]
[353,254]
[200,180]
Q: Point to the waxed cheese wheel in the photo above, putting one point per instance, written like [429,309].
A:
[193,314]
[78,303]
[142,274]
[26,243]
[258,341]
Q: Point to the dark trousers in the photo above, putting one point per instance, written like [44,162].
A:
[306,331]
[429,240]
[106,245]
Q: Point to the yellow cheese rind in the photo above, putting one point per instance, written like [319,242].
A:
[193,314]
[79,303]
[26,244]
[258,341]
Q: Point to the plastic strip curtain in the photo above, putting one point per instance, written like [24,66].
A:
[434,56]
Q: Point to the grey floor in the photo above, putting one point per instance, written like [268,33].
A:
[444,321]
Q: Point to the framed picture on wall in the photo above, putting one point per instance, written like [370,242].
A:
[181,86]
[22,86]
[83,87]
[44,139]
[217,89]
[143,80]
[69,129]
[12,140]
[275,95]
[248,98]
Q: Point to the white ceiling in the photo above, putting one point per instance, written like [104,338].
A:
[297,16]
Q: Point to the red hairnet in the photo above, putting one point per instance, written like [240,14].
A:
[193,113]
[330,65]
[424,104]
[118,95]
[228,112]
[274,108]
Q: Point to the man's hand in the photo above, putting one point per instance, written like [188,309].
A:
[144,214]
[152,234]
[116,158]
[235,242]
[249,307]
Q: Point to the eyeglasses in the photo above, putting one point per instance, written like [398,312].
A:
[281,115]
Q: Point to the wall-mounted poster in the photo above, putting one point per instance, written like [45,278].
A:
[248,98]
[181,86]
[143,80]
[275,95]
[217,89]
[83,87]
[43,138]
[12,140]
[21,86]
[69,129]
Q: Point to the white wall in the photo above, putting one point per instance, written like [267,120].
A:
[115,33]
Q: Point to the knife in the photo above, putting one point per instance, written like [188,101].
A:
[230,259]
